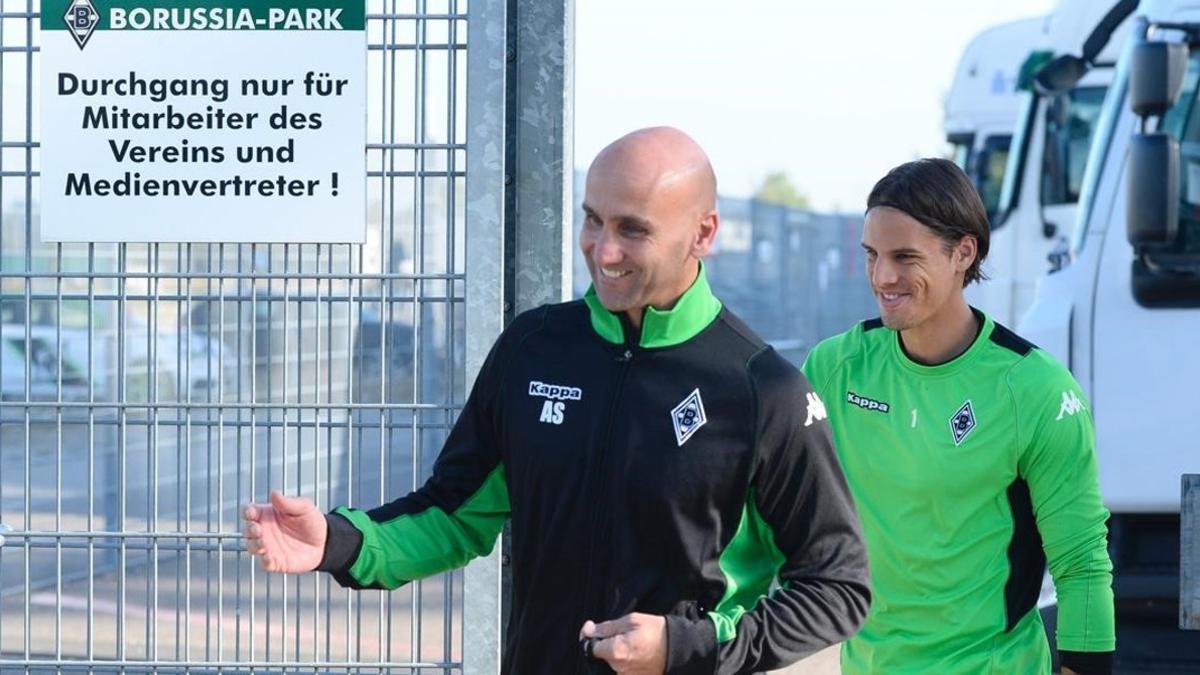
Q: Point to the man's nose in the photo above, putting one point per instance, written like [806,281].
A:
[607,249]
[884,273]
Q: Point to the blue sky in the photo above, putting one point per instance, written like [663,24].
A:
[834,93]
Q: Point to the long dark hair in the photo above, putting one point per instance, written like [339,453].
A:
[936,193]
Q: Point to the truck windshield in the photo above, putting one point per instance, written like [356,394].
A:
[1106,124]
[1070,121]
[960,150]
[1018,150]
[1183,122]
[987,171]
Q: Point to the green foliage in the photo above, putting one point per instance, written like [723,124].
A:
[777,188]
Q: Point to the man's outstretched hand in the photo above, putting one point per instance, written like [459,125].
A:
[288,534]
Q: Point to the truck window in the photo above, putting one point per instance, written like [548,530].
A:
[1070,122]
[960,154]
[961,145]
[987,171]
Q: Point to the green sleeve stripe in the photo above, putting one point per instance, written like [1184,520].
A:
[750,563]
[413,546]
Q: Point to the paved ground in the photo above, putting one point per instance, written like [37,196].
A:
[821,663]
[181,617]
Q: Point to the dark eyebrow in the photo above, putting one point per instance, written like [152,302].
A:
[633,221]
[899,251]
[624,221]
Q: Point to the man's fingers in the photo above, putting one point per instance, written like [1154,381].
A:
[607,639]
[251,513]
[253,531]
[607,629]
[628,644]
[255,546]
[613,649]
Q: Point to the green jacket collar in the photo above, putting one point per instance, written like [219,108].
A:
[694,311]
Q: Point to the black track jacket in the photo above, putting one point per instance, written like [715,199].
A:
[685,470]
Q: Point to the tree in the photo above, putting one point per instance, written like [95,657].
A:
[777,188]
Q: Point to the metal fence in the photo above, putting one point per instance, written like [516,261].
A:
[149,390]
[796,277]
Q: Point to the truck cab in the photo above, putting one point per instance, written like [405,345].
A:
[1122,313]
[1036,208]
[983,104]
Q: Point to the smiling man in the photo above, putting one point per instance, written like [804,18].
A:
[670,510]
[969,452]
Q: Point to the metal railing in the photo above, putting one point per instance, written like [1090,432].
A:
[147,390]
[796,277]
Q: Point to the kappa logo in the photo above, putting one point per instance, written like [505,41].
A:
[867,403]
[816,409]
[688,417]
[554,391]
[554,409]
[81,19]
[1070,405]
[963,422]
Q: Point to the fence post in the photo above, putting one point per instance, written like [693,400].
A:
[519,202]
[1189,554]
[540,151]
[486,25]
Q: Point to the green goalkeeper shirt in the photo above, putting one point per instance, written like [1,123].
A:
[969,476]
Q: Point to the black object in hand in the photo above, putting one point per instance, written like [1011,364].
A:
[588,645]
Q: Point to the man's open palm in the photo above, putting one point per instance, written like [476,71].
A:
[288,534]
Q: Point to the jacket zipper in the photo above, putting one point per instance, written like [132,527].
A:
[605,449]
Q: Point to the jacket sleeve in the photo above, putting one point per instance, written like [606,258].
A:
[1059,465]
[456,516]
[796,569]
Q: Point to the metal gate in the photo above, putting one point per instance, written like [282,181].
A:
[149,390]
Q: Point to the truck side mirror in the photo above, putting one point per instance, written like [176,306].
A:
[1156,77]
[1152,200]
[1059,75]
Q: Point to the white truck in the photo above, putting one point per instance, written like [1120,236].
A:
[1032,221]
[983,104]
[1123,313]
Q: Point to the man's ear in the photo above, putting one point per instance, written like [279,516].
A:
[965,252]
[710,222]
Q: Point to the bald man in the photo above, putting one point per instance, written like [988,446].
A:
[670,511]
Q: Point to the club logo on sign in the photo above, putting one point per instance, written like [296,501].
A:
[82,19]
[688,417]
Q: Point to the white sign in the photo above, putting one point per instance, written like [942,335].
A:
[241,121]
